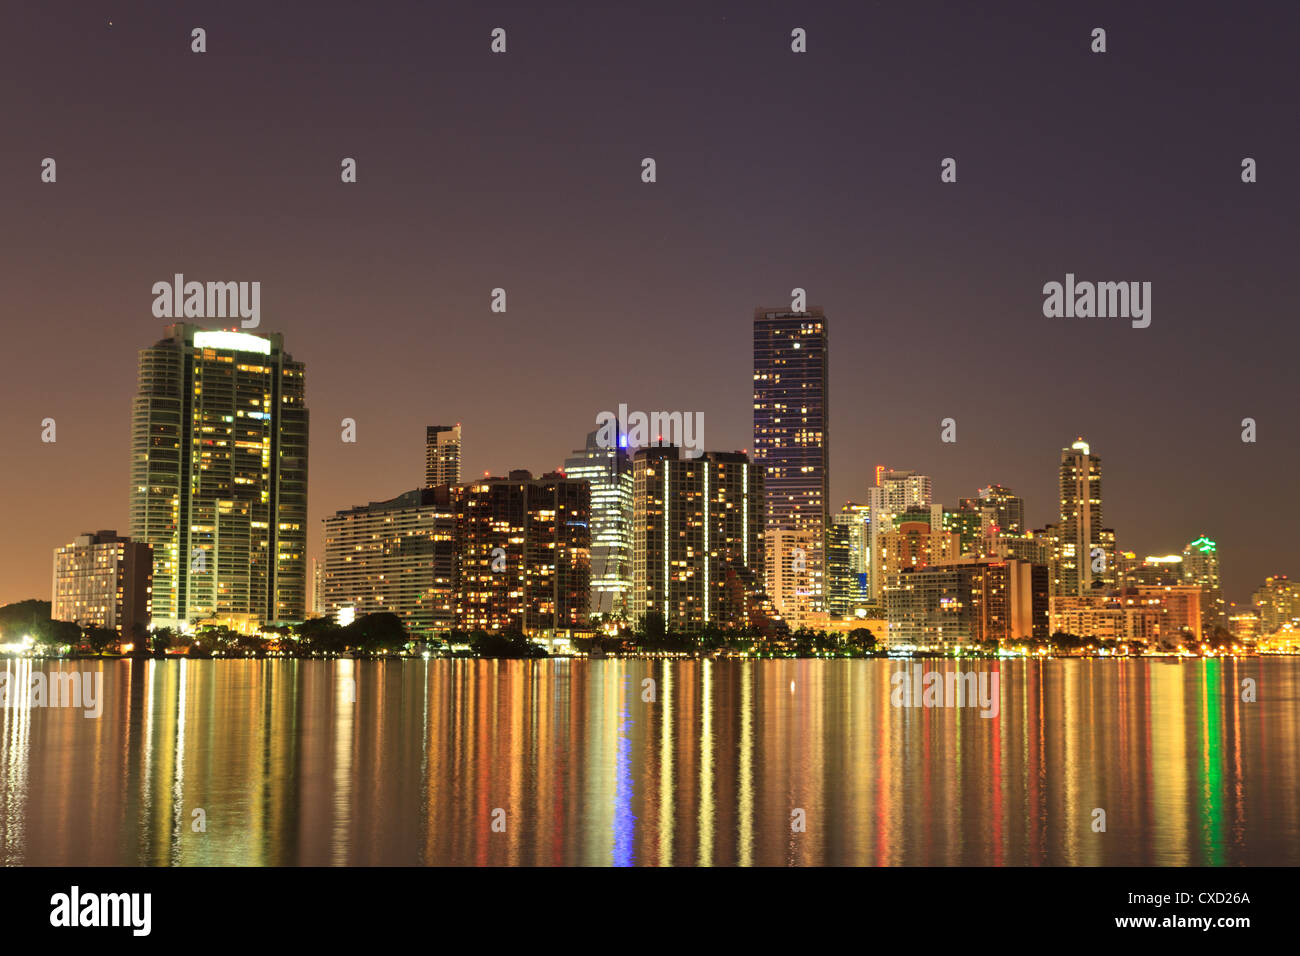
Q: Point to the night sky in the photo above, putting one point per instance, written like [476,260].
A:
[775,170]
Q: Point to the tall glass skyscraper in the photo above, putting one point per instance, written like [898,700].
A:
[791,429]
[219,477]
[1081,532]
[1201,567]
[609,472]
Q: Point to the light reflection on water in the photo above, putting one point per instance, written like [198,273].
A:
[343,762]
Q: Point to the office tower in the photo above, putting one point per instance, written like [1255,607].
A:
[847,554]
[892,495]
[609,473]
[523,554]
[102,580]
[395,557]
[839,577]
[1105,573]
[792,428]
[963,603]
[1081,523]
[1277,602]
[1002,509]
[441,455]
[697,536]
[1201,567]
[219,477]
[1050,536]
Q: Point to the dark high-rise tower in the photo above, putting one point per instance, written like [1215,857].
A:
[791,428]
[697,548]
[523,554]
[219,477]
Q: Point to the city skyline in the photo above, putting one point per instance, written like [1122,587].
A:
[417,451]
[1117,546]
[643,293]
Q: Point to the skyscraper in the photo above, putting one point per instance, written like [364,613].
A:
[609,473]
[892,495]
[441,455]
[792,429]
[1080,527]
[219,477]
[1000,507]
[523,554]
[1277,602]
[1201,567]
[847,566]
[697,536]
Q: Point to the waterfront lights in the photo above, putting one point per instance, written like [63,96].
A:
[21,646]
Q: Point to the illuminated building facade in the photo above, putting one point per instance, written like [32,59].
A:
[219,477]
[1086,557]
[1201,567]
[788,577]
[609,473]
[523,554]
[966,602]
[102,580]
[697,536]
[1159,616]
[395,557]
[894,493]
[999,508]
[792,428]
[441,455]
[1277,604]
[848,552]
[1028,547]
[915,545]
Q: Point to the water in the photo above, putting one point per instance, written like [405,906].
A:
[288,769]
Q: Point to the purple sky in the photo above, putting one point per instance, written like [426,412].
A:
[775,170]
